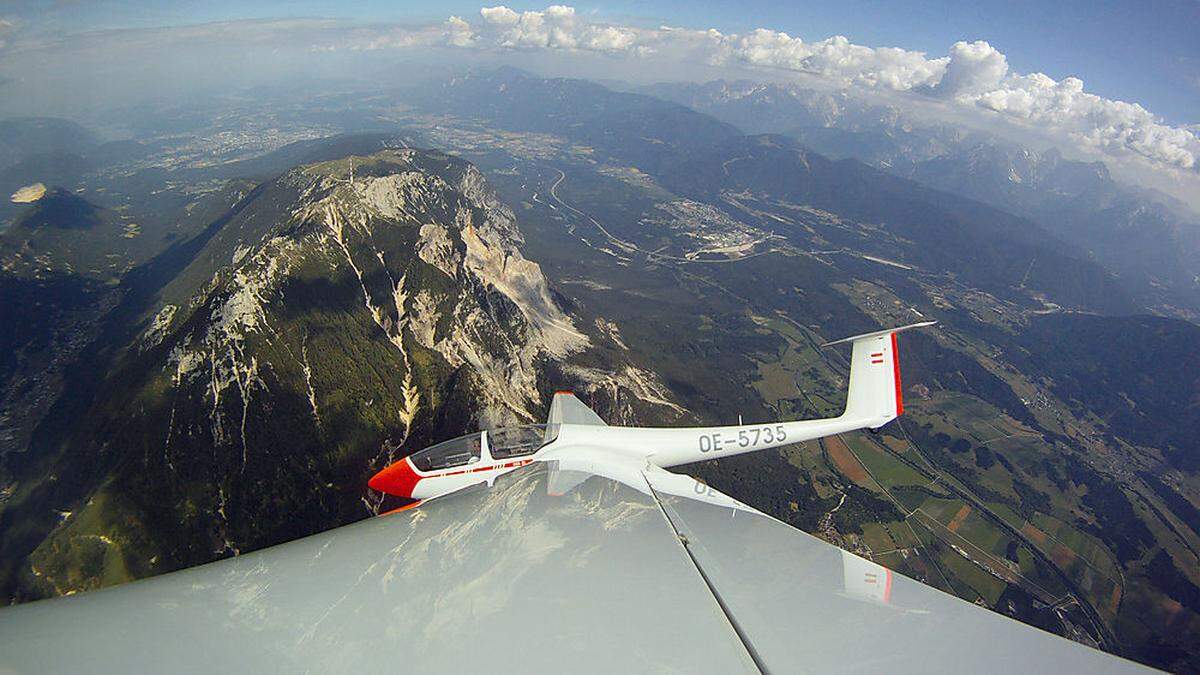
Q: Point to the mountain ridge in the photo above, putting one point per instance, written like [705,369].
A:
[413,248]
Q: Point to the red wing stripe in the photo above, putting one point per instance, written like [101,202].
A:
[896,373]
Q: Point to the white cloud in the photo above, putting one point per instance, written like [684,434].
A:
[500,16]
[556,27]
[459,33]
[835,58]
[973,68]
[402,38]
[1113,127]
[610,38]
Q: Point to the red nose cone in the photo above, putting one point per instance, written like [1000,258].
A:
[398,479]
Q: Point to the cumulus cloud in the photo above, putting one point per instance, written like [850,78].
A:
[972,68]
[835,58]
[556,27]
[553,28]
[1102,124]
[499,16]
[6,27]
[610,38]
[459,33]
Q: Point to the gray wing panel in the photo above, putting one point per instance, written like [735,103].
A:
[805,605]
[508,579]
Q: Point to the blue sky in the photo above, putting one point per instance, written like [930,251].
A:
[1147,52]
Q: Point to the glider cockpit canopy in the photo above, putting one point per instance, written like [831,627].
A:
[502,443]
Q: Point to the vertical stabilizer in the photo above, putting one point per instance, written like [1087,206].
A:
[566,409]
[876,393]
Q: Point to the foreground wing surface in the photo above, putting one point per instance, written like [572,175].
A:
[802,604]
[507,579]
[562,566]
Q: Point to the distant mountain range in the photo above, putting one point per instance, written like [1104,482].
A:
[1138,238]
[59,152]
[1149,240]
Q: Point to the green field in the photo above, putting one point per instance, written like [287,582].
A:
[885,468]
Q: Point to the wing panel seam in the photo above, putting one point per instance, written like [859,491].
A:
[712,589]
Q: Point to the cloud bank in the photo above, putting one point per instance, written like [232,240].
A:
[973,76]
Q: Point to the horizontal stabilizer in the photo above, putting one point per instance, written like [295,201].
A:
[880,333]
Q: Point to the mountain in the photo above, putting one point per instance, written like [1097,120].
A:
[41,149]
[62,267]
[22,138]
[60,263]
[640,129]
[63,233]
[1152,245]
[1102,364]
[694,156]
[981,245]
[56,152]
[335,313]
[834,123]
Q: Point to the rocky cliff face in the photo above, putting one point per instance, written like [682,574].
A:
[343,314]
[418,251]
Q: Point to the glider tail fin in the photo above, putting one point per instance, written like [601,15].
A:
[565,408]
[876,395]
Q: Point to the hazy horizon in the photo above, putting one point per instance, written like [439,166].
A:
[88,65]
